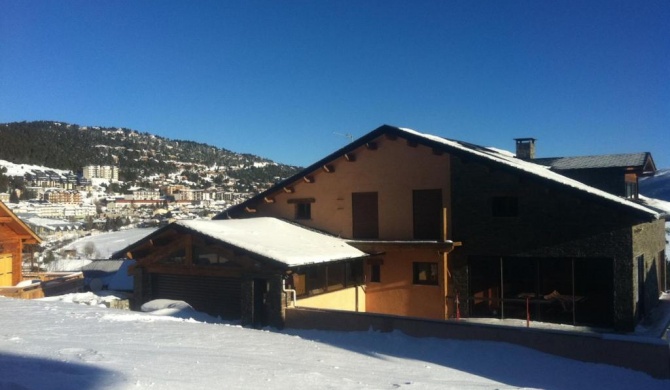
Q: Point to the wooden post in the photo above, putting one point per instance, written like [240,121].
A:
[445,264]
[188,250]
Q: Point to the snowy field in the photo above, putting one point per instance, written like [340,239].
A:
[54,344]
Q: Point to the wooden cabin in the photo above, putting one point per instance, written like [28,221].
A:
[14,236]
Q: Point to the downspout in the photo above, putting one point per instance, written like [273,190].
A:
[289,290]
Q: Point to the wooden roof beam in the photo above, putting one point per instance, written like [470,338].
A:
[328,168]
[371,145]
[350,157]
[308,179]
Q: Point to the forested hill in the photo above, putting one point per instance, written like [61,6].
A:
[70,147]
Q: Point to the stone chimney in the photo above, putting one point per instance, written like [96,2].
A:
[525,148]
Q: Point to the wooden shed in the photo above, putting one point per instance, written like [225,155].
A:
[247,269]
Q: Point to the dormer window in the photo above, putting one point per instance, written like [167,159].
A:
[631,186]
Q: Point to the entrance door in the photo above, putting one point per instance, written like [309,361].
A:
[427,213]
[260,311]
[6,269]
[365,215]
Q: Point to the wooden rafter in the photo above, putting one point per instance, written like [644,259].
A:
[350,157]
[158,253]
[371,145]
[329,168]
[308,179]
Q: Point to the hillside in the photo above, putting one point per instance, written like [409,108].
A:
[657,186]
[70,147]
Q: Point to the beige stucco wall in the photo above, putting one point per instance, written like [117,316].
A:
[393,170]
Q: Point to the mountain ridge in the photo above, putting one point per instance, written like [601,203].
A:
[66,146]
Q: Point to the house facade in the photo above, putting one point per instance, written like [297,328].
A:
[409,224]
[452,228]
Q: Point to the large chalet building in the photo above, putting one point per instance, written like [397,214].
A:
[411,224]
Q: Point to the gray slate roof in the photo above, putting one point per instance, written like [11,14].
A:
[587,162]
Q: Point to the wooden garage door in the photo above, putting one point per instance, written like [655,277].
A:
[6,269]
[217,296]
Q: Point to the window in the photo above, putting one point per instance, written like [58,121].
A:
[336,277]
[322,278]
[375,273]
[425,273]
[631,186]
[303,207]
[505,206]
[303,211]
[631,190]
[427,214]
[365,215]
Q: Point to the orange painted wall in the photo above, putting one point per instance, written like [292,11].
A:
[396,293]
[393,170]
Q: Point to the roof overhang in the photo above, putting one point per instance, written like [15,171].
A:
[380,246]
[269,239]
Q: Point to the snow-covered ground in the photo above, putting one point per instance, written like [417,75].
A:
[104,245]
[96,246]
[22,169]
[60,345]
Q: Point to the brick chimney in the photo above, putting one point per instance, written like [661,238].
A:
[525,148]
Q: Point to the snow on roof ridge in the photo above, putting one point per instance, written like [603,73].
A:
[532,168]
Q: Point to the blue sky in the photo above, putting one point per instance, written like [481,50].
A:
[283,79]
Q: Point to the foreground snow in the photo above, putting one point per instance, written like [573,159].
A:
[61,345]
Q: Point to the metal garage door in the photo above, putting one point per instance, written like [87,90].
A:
[217,296]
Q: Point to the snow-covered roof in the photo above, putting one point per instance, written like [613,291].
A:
[529,167]
[450,146]
[275,239]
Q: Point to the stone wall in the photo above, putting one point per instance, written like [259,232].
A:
[552,221]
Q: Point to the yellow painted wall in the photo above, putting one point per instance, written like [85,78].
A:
[340,300]
[6,269]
